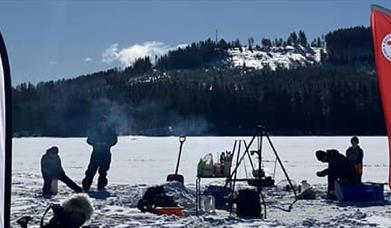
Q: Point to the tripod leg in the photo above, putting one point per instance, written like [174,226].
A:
[282,166]
[263,201]
[249,157]
[238,163]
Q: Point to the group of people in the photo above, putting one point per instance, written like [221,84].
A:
[102,138]
[343,169]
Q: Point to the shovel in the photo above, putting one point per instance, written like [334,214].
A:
[176,176]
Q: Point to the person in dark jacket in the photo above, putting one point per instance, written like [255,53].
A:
[340,169]
[51,169]
[101,140]
[355,155]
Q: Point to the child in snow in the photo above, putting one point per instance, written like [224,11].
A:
[355,155]
[51,169]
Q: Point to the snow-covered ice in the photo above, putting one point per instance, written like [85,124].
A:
[139,162]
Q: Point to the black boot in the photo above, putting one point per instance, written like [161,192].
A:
[102,183]
[87,181]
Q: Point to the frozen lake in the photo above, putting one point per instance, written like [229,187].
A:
[148,160]
[138,162]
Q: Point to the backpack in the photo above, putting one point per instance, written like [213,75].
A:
[248,203]
[155,197]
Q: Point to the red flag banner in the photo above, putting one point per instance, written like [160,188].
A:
[381,33]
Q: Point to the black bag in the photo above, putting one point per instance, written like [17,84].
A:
[248,203]
[155,197]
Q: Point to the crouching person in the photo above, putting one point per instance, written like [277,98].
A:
[340,169]
[51,169]
[72,213]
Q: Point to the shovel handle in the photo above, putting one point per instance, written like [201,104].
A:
[182,139]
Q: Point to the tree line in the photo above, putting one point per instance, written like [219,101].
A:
[182,94]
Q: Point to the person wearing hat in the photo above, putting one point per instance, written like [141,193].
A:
[51,169]
[355,155]
[102,138]
[72,213]
[339,169]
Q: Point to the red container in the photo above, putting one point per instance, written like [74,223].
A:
[178,211]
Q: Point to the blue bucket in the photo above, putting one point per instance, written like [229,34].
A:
[221,195]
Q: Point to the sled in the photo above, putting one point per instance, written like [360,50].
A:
[372,193]
[99,194]
[178,211]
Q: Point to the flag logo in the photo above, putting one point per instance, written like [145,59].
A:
[386,47]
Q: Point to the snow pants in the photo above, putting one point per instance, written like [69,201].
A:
[47,182]
[100,161]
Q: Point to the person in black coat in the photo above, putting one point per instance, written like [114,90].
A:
[340,169]
[51,169]
[101,140]
[355,155]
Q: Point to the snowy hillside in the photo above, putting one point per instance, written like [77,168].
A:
[284,57]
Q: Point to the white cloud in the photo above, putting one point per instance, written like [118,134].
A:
[127,56]
[53,62]
[87,59]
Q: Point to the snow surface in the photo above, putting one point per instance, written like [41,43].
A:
[284,57]
[139,162]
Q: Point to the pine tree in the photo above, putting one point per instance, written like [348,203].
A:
[302,39]
[266,43]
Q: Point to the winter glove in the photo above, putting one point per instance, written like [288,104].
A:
[320,174]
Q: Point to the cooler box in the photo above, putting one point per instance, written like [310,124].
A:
[220,194]
[367,192]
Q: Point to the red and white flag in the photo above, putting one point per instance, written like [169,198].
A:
[381,33]
[5,137]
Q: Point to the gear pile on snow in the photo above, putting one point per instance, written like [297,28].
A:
[155,200]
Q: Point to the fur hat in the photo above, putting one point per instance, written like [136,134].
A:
[80,208]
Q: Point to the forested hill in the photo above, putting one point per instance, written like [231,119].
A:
[292,86]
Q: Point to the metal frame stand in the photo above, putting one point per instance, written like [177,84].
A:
[232,178]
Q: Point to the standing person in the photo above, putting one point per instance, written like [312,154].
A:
[101,139]
[51,169]
[340,169]
[355,155]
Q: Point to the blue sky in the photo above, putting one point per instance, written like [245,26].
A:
[50,40]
